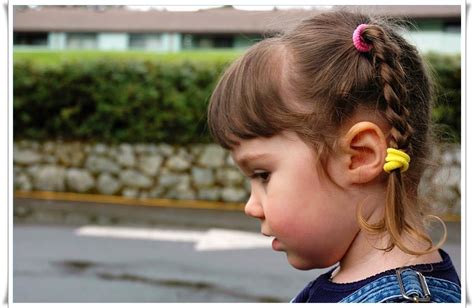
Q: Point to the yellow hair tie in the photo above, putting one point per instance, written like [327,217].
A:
[396,159]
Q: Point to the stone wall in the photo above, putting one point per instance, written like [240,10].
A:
[202,172]
[441,185]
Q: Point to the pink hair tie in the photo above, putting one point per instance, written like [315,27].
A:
[358,41]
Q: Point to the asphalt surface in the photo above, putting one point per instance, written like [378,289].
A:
[51,263]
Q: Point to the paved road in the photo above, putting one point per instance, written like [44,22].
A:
[53,264]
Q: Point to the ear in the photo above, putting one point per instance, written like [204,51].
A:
[363,152]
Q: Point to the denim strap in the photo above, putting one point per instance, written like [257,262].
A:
[406,285]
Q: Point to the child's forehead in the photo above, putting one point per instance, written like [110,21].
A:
[260,147]
[247,149]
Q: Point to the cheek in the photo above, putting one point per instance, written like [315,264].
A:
[312,221]
[305,207]
[297,208]
[318,242]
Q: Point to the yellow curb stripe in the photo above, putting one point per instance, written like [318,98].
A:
[451,217]
[96,198]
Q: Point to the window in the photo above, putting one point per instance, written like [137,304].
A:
[204,41]
[453,26]
[145,41]
[81,41]
[30,38]
[223,41]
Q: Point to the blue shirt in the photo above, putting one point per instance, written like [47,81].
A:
[323,290]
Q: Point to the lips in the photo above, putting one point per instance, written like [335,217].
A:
[276,245]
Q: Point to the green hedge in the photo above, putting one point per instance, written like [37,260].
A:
[446,72]
[112,99]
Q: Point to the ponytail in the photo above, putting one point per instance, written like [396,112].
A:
[391,79]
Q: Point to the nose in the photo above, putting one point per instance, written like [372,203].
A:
[253,207]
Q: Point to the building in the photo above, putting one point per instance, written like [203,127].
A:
[434,28]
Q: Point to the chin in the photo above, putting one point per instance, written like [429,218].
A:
[306,265]
[302,267]
[302,264]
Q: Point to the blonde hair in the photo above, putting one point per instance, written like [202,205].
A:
[316,65]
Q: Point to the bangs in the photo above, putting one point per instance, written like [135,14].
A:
[247,102]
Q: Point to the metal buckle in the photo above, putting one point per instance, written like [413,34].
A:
[414,298]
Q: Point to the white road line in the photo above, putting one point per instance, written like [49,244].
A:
[213,239]
[222,239]
[141,233]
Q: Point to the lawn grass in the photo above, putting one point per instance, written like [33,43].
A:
[48,57]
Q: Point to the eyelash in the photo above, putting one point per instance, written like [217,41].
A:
[263,176]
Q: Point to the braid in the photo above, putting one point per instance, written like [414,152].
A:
[391,78]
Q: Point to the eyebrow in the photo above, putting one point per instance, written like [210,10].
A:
[245,159]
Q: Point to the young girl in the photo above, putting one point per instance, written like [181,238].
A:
[330,121]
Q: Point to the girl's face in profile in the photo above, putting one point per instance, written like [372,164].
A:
[310,217]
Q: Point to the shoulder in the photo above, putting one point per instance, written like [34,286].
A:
[442,279]
[433,282]
[395,285]
[443,270]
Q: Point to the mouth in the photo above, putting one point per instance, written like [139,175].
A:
[276,245]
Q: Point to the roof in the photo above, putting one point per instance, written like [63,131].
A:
[218,20]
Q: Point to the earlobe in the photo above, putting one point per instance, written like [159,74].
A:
[364,147]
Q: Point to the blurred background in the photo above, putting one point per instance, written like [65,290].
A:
[120,194]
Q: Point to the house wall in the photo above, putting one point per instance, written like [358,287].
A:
[428,37]
[57,40]
[169,42]
[245,41]
[438,41]
[112,41]
[172,42]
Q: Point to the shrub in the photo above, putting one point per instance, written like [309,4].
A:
[114,99]
[446,72]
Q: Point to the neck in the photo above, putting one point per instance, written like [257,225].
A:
[363,259]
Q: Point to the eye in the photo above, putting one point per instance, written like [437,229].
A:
[263,176]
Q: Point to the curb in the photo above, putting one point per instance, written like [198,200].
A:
[107,199]
[44,207]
